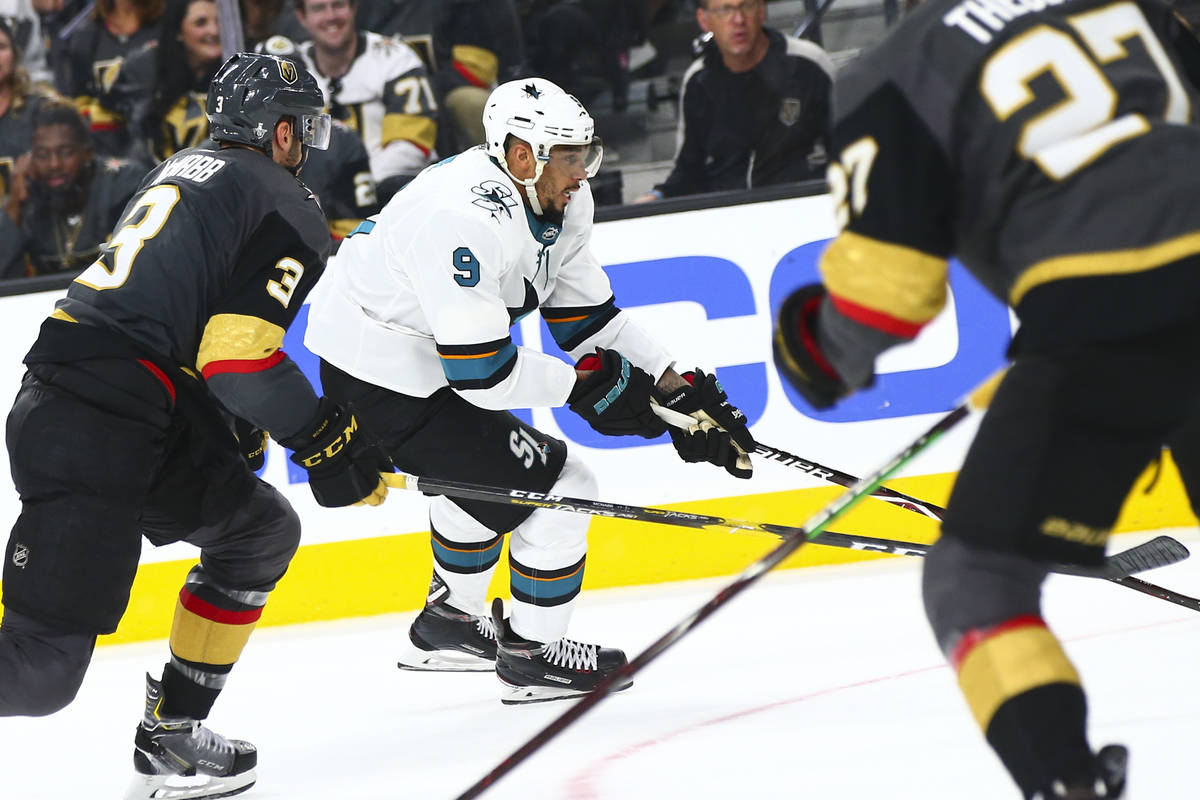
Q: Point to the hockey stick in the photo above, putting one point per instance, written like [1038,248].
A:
[1158,552]
[678,419]
[748,577]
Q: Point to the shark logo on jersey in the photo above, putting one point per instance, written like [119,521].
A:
[494,197]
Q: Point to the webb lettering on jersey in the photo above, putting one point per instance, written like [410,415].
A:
[195,167]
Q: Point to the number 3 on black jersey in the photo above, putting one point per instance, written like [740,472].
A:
[127,242]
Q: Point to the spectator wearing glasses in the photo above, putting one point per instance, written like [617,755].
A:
[375,84]
[63,201]
[754,109]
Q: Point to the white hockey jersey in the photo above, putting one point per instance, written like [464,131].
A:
[423,294]
[385,96]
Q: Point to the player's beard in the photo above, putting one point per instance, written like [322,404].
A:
[296,157]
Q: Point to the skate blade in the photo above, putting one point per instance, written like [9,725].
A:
[418,660]
[511,695]
[183,787]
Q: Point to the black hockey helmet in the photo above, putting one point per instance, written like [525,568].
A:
[251,91]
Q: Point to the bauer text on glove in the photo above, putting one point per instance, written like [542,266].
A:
[614,396]
[720,435]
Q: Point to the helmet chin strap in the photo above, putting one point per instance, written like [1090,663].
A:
[530,184]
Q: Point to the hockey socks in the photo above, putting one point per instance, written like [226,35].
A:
[212,624]
[1027,698]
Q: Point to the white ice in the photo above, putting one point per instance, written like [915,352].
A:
[816,683]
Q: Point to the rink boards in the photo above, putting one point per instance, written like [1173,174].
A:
[706,282]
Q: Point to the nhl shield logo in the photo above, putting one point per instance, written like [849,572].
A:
[287,71]
[789,111]
[20,556]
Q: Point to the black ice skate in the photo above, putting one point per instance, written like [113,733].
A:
[445,639]
[533,672]
[1107,782]
[180,759]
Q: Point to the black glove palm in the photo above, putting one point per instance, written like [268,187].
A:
[720,435]
[343,465]
[615,397]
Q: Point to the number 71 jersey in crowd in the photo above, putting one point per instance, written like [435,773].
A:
[1048,144]
[422,295]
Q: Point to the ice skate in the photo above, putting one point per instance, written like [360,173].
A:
[534,672]
[446,639]
[177,758]
[1107,783]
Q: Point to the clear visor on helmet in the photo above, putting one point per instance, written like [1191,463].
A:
[572,157]
[314,130]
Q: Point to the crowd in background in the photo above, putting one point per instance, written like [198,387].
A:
[94,94]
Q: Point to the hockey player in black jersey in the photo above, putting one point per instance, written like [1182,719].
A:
[123,427]
[1046,146]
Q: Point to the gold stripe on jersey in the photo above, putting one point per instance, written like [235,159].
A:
[899,281]
[483,64]
[1110,262]
[421,131]
[1011,663]
[58,313]
[237,337]
[341,228]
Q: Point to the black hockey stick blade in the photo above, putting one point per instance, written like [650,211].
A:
[1158,591]
[1161,551]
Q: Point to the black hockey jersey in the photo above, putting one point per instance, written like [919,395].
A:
[126,104]
[1047,144]
[90,64]
[340,177]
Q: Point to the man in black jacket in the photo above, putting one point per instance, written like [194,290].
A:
[754,109]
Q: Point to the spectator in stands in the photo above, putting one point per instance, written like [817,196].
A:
[25,30]
[159,93]
[19,101]
[340,177]
[754,109]
[63,201]
[373,83]
[95,50]
[583,45]
[468,46]
[262,19]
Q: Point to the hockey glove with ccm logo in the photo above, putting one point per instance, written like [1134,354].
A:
[614,397]
[720,435]
[343,465]
[797,353]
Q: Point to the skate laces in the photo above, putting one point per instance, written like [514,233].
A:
[572,655]
[200,744]
[485,626]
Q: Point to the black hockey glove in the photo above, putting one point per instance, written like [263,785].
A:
[797,353]
[720,435]
[343,465]
[253,442]
[615,396]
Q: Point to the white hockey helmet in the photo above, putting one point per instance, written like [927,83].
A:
[542,115]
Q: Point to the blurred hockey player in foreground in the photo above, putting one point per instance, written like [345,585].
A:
[124,427]
[1044,145]
[412,326]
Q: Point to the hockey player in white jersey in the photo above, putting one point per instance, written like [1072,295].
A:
[412,327]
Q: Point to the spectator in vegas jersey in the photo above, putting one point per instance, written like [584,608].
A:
[468,46]
[949,141]
[19,102]
[754,110]
[376,85]
[125,422]
[157,97]
[94,52]
[64,200]
[340,177]
[412,327]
